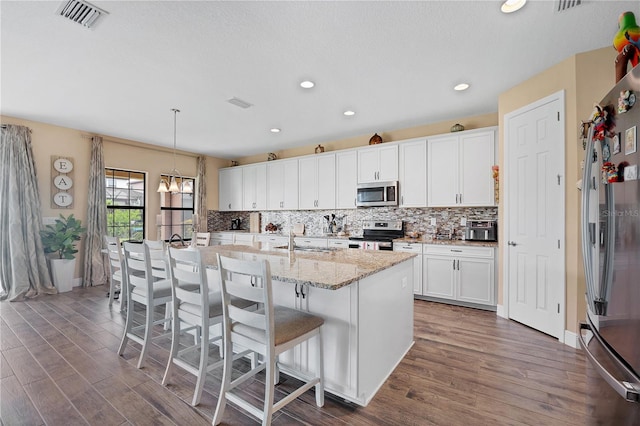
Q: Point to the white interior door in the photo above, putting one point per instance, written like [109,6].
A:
[534,217]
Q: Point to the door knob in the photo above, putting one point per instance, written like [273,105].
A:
[512,243]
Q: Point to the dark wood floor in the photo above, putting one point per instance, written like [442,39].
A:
[58,366]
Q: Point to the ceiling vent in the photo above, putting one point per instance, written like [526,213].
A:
[563,5]
[239,103]
[81,12]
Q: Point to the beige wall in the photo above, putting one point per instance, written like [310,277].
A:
[48,140]
[585,78]
[469,123]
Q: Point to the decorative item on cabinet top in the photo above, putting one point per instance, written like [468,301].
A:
[375,139]
[272,156]
[319,149]
[457,128]
[234,163]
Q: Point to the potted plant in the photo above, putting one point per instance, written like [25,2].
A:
[60,239]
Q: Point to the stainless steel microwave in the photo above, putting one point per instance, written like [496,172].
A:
[377,194]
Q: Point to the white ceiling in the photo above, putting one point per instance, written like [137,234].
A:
[394,63]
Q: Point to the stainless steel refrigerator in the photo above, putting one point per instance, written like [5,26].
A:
[610,336]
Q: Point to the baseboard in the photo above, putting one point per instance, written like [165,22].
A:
[571,339]
[500,311]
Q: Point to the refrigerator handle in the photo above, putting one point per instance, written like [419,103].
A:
[628,391]
[587,248]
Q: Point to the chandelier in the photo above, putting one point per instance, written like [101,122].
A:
[172,184]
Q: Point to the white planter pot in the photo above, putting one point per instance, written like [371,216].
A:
[62,273]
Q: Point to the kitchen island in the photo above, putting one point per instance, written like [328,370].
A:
[365,298]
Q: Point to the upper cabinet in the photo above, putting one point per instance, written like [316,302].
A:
[230,189]
[379,163]
[317,182]
[459,169]
[346,179]
[254,187]
[412,181]
[282,179]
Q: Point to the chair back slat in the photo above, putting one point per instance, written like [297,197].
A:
[230,285]
[186,267]
[255,319]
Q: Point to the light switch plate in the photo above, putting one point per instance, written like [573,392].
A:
[631,172]
[433,221]
[463,221]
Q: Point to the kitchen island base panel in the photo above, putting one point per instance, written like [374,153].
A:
[368,330]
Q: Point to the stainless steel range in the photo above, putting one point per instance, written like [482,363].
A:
[378,235]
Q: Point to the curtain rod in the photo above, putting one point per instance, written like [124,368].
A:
[4,126]
[142,145]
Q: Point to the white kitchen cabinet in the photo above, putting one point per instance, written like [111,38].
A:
[338,243]
[230,189]
[459,169]
[378,163]
[460,273]
[412,180]
[415,248]
[275,240]
[346,179]
[310,242]
[221,238]
[317,182]
[254,187]
[282,181]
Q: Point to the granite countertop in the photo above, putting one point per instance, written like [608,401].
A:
[428,240]
[283,234]
[328,269]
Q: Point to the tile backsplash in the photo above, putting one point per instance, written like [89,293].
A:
[415,219]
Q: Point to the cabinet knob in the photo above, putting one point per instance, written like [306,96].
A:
[512,243]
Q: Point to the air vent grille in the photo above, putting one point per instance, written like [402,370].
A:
[563,5]
[81,12]
[239,103]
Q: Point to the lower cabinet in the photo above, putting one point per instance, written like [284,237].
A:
[460,273]
[415,248]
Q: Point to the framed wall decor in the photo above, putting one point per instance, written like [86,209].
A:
[615,142]
[61,182]
[630,140]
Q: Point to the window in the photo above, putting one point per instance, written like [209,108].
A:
[177,212]
[125,204]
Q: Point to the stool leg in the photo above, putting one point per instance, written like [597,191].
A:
[226,382]
[269,387]
[202,368]
[147,333]
[127,328]
[319,371]
[175,343]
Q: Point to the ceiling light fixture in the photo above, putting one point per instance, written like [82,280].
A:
[307,84]
[275,130]
[349,113]
[461,86]
[172,185]
[511,6]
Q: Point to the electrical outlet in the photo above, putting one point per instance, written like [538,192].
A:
[433,221]
[463,221]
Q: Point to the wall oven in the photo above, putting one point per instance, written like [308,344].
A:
[377,194]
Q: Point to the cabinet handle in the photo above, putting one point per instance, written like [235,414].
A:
[456,251]
[460,198]
[457,198]
[454,264]
[355,202]
[302,291]
[402,199]
[297,293]
[458,264]
[229,206]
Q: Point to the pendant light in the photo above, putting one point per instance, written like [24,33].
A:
[172,185]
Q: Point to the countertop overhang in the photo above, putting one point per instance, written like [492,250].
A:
[328,269]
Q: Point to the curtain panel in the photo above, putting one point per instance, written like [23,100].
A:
[94,268]
[23,268]
[201,194]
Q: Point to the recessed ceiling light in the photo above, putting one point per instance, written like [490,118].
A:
[275,130]
[461,86]
[511,6]
[349,113]
[307,84]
